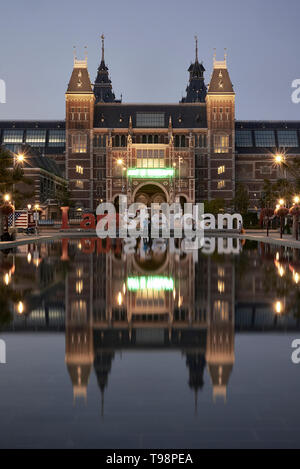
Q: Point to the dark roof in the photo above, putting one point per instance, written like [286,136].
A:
[196,89]
[251,127]
[116,115]
[220,81]
[33,124]
[80,80]
[43,162]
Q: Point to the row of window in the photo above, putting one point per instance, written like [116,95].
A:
[244,138]
[34,137]
[266,138]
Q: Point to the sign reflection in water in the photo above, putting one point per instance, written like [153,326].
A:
[153,296]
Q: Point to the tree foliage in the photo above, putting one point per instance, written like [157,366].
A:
[241,199]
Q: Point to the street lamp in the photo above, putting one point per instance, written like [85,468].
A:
[6,197]
[281,211]
[278,307]
[18,159]
[279,158]
[36,208]
[296,199]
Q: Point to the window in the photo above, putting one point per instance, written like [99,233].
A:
[79,169]
[36,138]
[221,184]
[266,170]
[243,138]
[149,158]
[201,140]
[79,143]
[221,169]
[79,184]
[221,272]
[57,138]
[78,310]
[221,286]
[265,138]
[150,119]
[221,143]
[287,138]
[13,136]
[79,287]
[221,310]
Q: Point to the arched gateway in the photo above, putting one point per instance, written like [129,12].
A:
[150,192]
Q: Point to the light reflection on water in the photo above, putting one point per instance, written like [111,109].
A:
[149,330]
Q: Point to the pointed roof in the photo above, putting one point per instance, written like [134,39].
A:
[220,82]
[80,82]
[196,89]
[103,87]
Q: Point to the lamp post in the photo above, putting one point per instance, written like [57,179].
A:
[281,211]
[295,212]
[36,208]
[18,159]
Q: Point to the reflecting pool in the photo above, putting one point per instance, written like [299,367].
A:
[118,344]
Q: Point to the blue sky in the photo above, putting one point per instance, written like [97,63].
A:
[149,46]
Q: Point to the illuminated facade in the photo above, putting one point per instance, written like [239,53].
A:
[151,152]
[191,151]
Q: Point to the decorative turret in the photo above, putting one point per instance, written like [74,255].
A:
[220,82]
[196,89]
[103,87]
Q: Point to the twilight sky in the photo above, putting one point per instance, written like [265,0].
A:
[149,46]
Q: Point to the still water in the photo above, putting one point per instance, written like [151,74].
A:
[111,345]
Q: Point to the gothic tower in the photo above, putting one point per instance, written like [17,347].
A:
[80,101]
[103,87]
[220,101]
[196,89]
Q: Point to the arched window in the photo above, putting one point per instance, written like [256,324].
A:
[123,141]
[117,141]
[150,139]
[144,140]
[183,141]
[155,138]
[177,144]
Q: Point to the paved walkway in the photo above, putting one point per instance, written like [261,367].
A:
[273,238]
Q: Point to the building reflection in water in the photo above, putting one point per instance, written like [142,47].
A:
[149,297]
[110,296]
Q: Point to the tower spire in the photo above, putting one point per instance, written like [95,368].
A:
[102,40]
[196,48]
[103,88]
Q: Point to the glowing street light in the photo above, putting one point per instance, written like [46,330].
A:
[120,299]
[20,307]
[278,307]
[120,162]
[6,197]
[20,158]
[279,158]
[296,199]
[281,202]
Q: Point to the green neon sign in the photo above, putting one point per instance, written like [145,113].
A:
[150,283]
[150,172]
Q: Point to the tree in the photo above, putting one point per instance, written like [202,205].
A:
[268,198]
[214,206]
[10,176]
[63,197]
[241,199]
